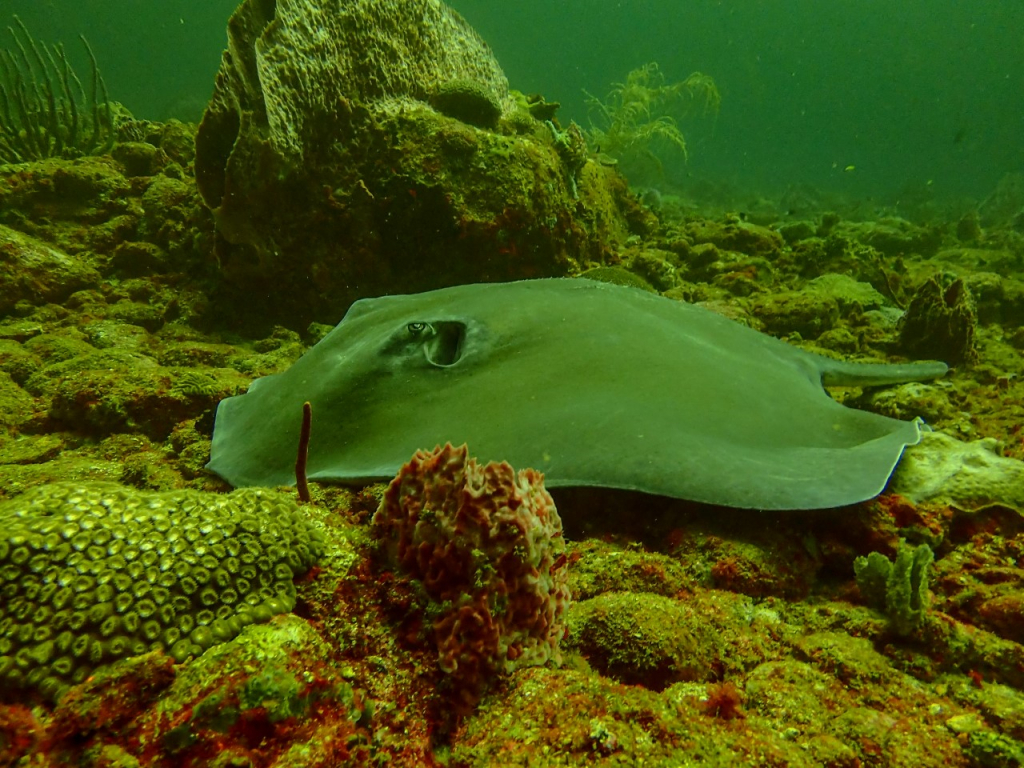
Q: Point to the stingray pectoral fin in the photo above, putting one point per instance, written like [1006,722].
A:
[839,373]
[823,479]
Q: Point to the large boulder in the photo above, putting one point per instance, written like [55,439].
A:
[356,147]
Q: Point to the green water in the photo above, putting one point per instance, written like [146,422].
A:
[919,96]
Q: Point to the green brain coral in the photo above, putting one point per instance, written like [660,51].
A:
[91,573]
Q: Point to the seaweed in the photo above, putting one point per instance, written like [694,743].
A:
[637,119]
[45,110]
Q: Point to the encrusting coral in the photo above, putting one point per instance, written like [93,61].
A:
[485,546]
[91,573]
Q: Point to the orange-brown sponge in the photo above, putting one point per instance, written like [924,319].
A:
[486,545]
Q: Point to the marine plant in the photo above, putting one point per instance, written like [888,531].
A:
[637,121]
[45,111]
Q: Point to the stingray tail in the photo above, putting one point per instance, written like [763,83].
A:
[839,373]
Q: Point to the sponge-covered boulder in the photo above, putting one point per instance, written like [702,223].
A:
[92,573]
[358,147]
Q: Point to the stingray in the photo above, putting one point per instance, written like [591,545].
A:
[591,383]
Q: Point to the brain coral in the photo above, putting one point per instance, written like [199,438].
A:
[486,545]
[95,572]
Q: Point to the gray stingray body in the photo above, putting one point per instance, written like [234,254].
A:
[591,383]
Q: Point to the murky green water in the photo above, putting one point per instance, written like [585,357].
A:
[870,98]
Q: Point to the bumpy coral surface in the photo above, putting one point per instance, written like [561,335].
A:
[969,476]
[92,573]
[486,545]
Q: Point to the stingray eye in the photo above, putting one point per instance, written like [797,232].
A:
[416,328]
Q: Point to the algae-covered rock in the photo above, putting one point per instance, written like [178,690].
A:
[332,177]
[809,313]
[969,476]
[120,390]
[35,272]
[734,234]
[848,292]
[271,691]
[894,236]
[929,401]
[16,405]
[791,690]
[643,639]
[265,675]
[618,276]
[998,297]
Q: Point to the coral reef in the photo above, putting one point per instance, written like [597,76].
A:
[747,615]
[93,573]
[485,546]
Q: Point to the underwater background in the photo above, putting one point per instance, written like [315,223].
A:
[846,177]
[921,98]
